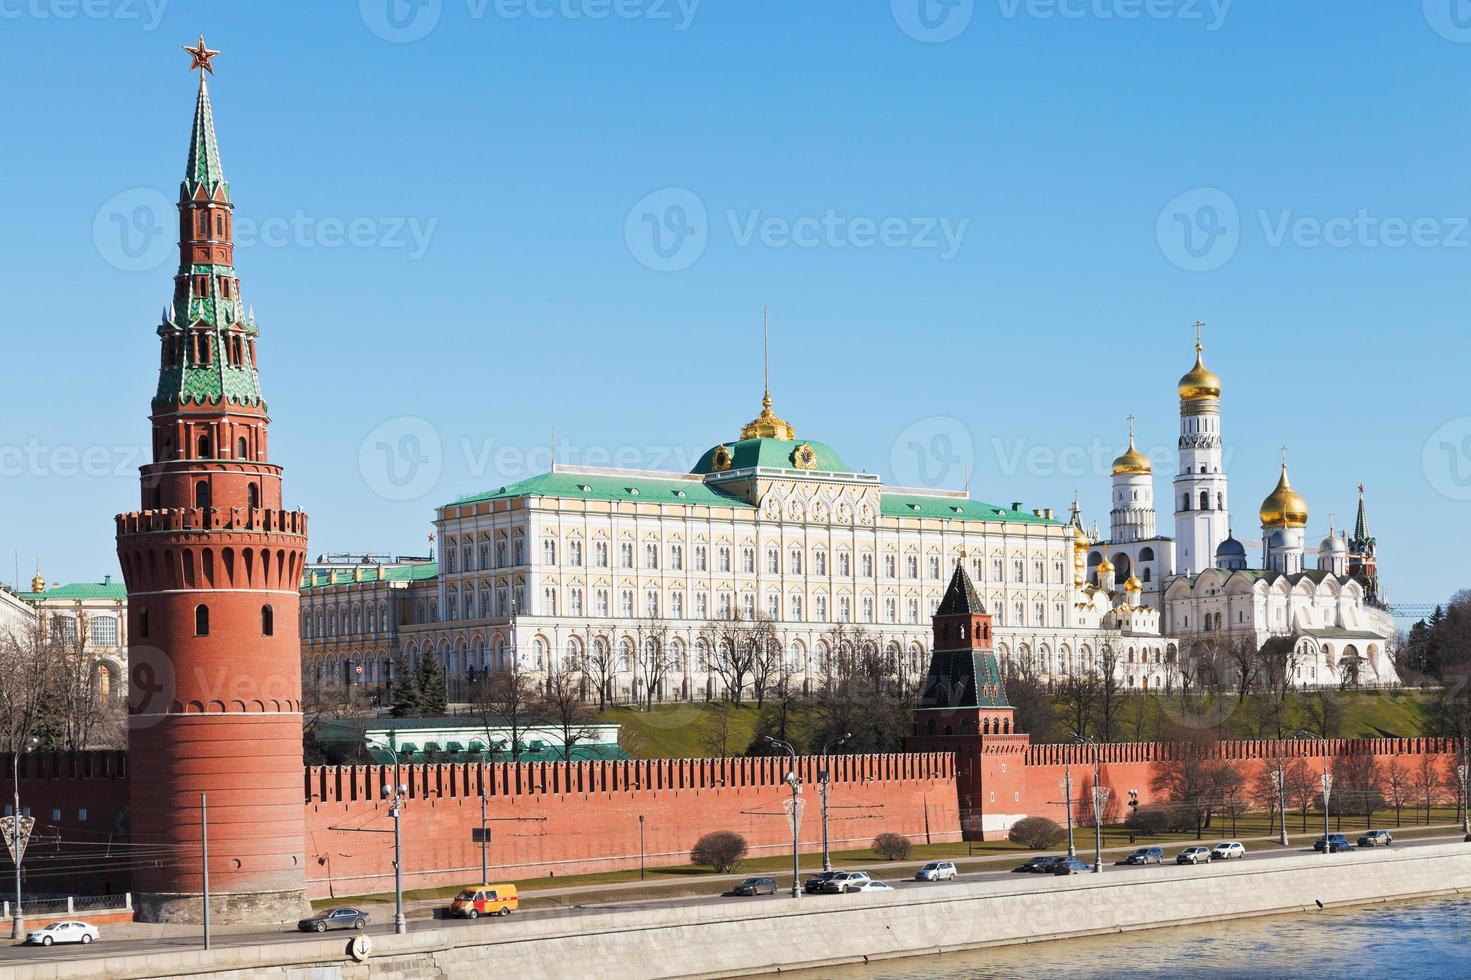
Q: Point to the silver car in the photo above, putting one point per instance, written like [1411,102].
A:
[844,882]
[937,871]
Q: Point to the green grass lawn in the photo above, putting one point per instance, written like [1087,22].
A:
[682,731]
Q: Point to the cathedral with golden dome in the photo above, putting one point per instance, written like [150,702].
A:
[1326,597]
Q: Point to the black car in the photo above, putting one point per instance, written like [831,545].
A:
[755,886]
[1146,855]
[1071,866]
[343,918]
[1039,865]
[1333,843]
[813,885]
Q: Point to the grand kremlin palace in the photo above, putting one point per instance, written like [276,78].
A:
[590,561]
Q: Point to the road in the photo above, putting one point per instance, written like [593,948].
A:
[105,948]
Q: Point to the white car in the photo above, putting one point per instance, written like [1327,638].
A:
[1228,850]
[63,932]
[937,871]
[843,882]
[871,886]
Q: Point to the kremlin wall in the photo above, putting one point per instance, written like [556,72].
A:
[553,819]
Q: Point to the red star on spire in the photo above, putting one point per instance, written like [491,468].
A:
[201,55]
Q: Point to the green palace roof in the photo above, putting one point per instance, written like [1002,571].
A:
[772,454]
[417,572]
[583,486]
[106,589]
[956,509]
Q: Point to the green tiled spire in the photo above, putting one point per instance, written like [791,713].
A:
[208,293]
[204,169]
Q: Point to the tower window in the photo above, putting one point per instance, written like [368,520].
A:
[252,495]
[201,494]
[1185,502]
[203,224]
[204,447]
[143,622]
[243,450]
[201,620]
[1205,500]
[267,621]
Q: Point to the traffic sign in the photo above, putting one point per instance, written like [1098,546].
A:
[8,828]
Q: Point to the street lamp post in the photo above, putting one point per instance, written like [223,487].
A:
[17,921]
[1100,797]
[1327,784]
[1465,816]
[1279,780]
[1067,797]
[795,782]
[640,847]
[823,781]
[396,794]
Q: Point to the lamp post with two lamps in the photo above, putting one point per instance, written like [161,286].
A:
[823,781]
[396,793]
[1100,798]
[795,782]
[17,922]
[1327,785]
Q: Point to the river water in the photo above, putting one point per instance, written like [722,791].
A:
[1429,938]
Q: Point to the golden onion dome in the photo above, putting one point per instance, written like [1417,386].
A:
[1132,584]
[1285,506]
[1105,565]
[1199,382]
[1132,461]
[768,425]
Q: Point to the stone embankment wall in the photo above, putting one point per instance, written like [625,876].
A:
[766,936]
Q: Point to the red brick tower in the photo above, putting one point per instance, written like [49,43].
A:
[212,563]
[963,709]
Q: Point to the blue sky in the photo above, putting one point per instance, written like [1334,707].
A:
[982,229]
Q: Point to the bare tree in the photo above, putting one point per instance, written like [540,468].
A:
[1425,783]
[1397,783]
[652,657]
[505,701]
[715,733]
[767,659]
[1242,662]
[1110,692]
[601,668]
[1300,786]
[1324,713]
[23,665]
[1078,696]
[732,652]
[562,704]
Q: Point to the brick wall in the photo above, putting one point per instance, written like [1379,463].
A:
[583,817]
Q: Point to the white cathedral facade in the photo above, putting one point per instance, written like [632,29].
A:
[1332,613]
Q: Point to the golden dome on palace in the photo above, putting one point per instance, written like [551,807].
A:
[1132,461]
[1285,506]
[768,425]
[1132,584]
[1199,382]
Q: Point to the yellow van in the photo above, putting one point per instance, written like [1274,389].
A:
[481,900]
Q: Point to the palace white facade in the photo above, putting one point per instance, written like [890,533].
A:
[586,560]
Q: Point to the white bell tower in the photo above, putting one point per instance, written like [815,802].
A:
[1202,514]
